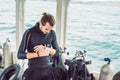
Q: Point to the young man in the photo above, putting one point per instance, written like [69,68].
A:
[38,45]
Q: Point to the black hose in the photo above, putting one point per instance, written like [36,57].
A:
[13,72]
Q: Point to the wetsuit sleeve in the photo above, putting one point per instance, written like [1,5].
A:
[23,46]
[55,44]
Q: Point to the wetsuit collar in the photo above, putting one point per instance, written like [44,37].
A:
[38,29]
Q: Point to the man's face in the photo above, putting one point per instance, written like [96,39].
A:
[46,29]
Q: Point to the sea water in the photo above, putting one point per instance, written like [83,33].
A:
[93,28]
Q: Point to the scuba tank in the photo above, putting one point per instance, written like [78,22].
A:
[1,57]
[7,53]
[64,56]
[107,70]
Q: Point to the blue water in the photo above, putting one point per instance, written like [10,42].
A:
[93,28]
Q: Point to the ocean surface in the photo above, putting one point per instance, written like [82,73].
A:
[93,28]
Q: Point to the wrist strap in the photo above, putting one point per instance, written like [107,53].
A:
[38,54]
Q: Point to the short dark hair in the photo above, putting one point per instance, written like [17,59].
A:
[47,18]
[116,76]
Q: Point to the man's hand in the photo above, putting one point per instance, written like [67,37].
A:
[38,48]
[44,51]
[51,51]
[41,50]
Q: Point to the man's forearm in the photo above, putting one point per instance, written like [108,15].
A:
[31,55]
[41,53]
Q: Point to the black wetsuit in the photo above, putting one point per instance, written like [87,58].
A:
[31,38]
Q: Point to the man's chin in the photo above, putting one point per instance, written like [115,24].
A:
[46,33]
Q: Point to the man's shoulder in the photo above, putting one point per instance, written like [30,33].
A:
[52,31]
[30,29]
